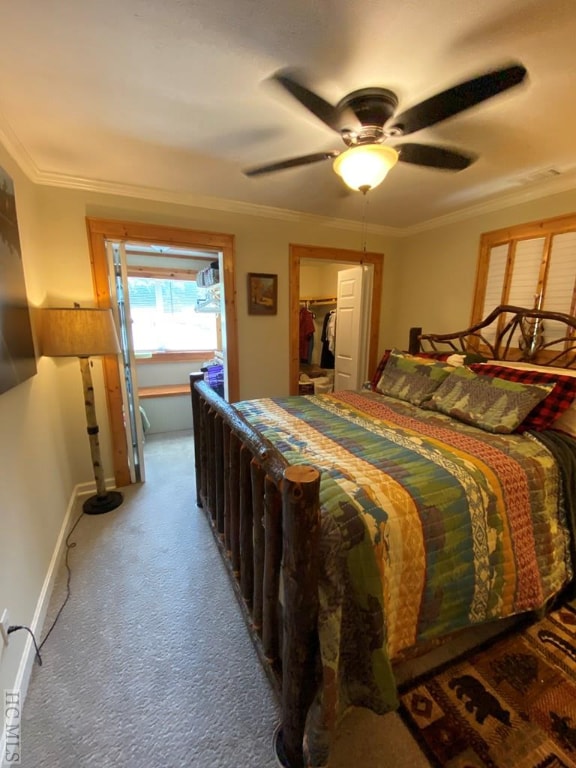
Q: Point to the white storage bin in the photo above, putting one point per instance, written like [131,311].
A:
[322,385]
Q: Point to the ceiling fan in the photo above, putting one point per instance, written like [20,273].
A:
[366,118]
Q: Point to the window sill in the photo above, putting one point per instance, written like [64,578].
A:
[175,357]
[163,390]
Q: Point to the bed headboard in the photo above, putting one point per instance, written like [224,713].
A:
[509,333]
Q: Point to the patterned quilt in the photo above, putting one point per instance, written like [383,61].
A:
[429,525]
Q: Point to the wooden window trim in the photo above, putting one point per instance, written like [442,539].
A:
[511,236]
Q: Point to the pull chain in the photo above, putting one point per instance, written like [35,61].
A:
[364,223]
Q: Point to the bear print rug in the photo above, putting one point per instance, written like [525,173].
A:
[510,705]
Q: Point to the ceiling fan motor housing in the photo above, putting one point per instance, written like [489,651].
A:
[373,107]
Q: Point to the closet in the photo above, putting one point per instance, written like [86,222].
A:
[317,322]
[315,273]
[322,360]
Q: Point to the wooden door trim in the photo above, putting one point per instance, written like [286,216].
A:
[101,230]
[299,252]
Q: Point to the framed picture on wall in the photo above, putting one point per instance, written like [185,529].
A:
[262,294]
[17,356]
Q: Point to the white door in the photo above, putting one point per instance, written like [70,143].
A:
[354,295]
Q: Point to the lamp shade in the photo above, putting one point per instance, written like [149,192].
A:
[78,332]
[365,166]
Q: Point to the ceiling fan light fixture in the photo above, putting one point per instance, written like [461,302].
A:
[365,166]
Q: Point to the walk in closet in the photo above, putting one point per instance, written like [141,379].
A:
[319,318]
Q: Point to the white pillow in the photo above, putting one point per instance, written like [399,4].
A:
[456,360]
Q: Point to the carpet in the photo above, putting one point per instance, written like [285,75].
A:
[511,704]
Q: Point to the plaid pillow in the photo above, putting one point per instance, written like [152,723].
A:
[559,400]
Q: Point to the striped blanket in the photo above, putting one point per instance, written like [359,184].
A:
[429,525]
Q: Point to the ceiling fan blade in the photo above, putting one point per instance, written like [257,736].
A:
[293,162]
[458,99]
[314,103]
[434,157]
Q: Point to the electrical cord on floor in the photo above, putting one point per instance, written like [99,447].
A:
[16,627]
[69,545]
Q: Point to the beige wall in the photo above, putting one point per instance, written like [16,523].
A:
[435,271]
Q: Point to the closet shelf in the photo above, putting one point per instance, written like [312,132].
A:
[212,302]
[316,300]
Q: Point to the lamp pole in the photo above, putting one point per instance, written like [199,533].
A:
[104,501]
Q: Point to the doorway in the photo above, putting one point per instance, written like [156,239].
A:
[342,257]
[101,232]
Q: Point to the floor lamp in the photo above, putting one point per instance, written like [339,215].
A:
[83,333]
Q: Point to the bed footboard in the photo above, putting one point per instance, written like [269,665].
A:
[265,516]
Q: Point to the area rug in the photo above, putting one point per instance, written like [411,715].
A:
[511,704]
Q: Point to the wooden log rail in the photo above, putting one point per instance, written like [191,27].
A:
[265,516]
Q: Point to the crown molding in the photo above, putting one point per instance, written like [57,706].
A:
[225,205]
[16,150]
[20,155]
[563,183]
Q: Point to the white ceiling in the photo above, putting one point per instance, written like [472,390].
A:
[174,95]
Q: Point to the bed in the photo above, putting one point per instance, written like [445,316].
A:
[361,528]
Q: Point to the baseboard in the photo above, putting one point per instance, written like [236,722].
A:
[11,720]
[87,489]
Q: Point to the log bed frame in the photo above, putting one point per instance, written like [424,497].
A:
[265,513]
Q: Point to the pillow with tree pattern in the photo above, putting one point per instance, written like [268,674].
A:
[493,404]
[410,378]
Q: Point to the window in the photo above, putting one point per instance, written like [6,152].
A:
[530,265]
[165,315]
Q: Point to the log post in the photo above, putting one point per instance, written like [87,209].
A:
[211,469]
[197,428]
[272,558]
[234,481]
[219,473]
[258,475]
[414,340]
[246,533]
[226,454]
[300,567]
[205,453]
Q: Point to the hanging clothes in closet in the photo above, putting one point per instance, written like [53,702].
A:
[328,340]
[307,329]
